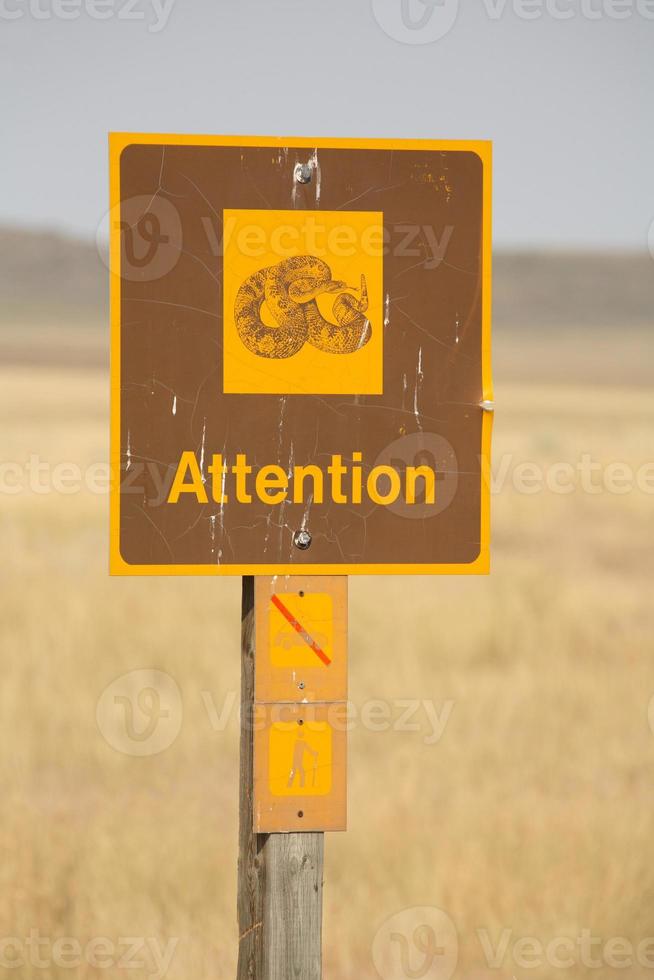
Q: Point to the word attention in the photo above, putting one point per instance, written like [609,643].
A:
[272,484]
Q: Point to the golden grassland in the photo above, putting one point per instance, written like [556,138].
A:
[532,813]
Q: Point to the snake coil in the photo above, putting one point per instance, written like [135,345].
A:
[289,290]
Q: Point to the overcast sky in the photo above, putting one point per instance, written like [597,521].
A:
[567,102]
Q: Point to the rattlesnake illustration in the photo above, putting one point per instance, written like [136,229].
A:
[289,290]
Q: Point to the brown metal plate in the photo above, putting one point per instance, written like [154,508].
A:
[199,380]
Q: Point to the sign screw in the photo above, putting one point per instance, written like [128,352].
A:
[302,173]
[302,540]
[301,685]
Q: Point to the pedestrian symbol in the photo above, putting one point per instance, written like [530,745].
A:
[300,758]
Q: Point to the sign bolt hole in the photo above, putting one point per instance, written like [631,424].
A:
[302,540]
[300,721]
[301,685]
[300,813]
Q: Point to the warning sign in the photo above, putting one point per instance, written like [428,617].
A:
[300,767]
[300,357]
[301,638]
[318,606]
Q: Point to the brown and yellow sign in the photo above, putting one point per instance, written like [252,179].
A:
[300,355]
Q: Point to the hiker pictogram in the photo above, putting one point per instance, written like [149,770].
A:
[301,752]
[300,756]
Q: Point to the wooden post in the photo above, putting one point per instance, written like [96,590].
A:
[280,876]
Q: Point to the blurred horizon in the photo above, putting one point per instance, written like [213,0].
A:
[502,248]
[50,276]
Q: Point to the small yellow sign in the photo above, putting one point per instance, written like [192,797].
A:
[300,758]
[303,302]
[301,637]
[300,767]
[314,642]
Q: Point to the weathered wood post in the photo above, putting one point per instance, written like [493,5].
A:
[279,875]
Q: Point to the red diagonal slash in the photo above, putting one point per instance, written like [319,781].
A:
[299,628]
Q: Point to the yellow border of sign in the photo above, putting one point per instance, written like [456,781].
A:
[481,565]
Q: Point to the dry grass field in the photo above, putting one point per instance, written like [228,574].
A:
[531,815]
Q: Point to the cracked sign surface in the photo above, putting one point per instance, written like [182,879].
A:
[300,367]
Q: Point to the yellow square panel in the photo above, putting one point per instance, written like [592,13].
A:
[301,629]
[300,759]
[303,302]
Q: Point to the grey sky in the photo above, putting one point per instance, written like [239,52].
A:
[568,103]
